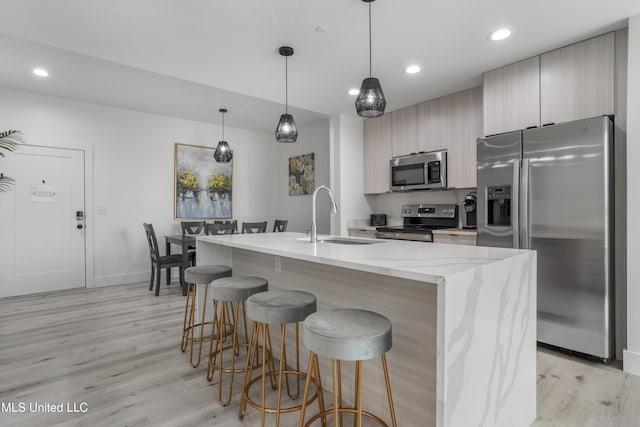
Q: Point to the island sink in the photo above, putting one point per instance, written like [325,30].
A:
[340,240]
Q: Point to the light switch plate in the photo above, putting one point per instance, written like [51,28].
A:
[101,210]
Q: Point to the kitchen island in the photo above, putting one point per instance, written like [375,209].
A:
[464,318]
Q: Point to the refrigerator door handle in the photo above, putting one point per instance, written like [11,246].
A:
[515,204]
[525,237]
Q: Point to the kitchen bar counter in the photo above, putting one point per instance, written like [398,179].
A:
[464,330]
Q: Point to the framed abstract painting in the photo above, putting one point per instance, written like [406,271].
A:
[203,188]
[301,175]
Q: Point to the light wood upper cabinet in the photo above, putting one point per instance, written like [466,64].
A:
[404,126]
[577,81]
[377,153]
[512,97]
[432,125]
[464,126]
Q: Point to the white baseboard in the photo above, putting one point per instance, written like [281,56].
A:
[631,362]
[121,279]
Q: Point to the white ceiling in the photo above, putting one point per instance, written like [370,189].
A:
[188,58]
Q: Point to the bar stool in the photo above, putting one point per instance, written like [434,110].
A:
[230,294]
[193,276]
[277,307]
[352,335]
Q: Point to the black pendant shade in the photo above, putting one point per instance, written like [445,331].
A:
[370,101]
[286,130]
[223,153]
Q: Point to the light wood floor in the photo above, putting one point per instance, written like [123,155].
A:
[117,349]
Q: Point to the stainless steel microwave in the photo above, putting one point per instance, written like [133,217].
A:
[423,171]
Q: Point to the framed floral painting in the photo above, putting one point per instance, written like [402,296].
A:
[202,187]
[301,175]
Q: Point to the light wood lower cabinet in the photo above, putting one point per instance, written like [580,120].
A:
[362,232]
[454,237]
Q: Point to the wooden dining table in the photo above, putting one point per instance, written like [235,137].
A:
[184,241]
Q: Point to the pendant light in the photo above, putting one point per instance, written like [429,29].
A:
[223,153]
[286,130]
[370,101]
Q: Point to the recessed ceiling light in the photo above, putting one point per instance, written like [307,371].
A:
[500,34]
[354,92]
[40,72]
[412,69]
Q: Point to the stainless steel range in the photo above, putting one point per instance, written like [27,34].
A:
[419,220]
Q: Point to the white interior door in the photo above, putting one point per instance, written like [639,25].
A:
[43,222]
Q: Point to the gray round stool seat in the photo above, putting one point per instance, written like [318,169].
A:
[237,288]
[205,274]
[194,278]
[347,334]
[280,306]
[229,296]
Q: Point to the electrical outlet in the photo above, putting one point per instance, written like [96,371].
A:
[278,264]
[101,210]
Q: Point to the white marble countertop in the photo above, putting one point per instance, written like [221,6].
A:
[425,262]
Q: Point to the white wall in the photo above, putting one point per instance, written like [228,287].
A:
[312,138]
[632,354]
[133,171]
[349,176]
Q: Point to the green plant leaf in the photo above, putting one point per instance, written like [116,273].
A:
[6,183]
[9,141]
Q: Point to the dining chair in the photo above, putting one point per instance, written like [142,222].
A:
[254,227]
[219,228]
[192,227]
[158,262]
[231,221]
[280,225]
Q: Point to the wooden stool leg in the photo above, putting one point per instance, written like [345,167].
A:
[295,395]
[215,333]
[192,313]
[305,393]
[386,380]
[202,325]
[185,325]
[319,390]
[264,368]
[283,357]
[336,392]
[248,371]
[234,343]
[358,397]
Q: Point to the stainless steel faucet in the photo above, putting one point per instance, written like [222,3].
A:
[334,209]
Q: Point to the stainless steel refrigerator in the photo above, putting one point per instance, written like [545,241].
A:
[550,189]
